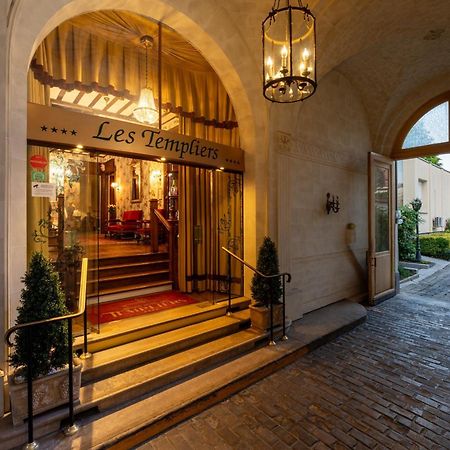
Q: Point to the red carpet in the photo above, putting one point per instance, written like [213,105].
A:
[138,306]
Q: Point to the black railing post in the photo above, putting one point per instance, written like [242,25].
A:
[284,337]
[229,286]
[31,443]
[278,275]
[85,354]
[271,342]
[72,428]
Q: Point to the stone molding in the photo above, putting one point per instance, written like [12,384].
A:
[285,144]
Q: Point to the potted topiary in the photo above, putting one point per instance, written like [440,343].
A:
[42,298]
[266,290]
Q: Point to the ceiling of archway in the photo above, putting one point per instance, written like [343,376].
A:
[386,48]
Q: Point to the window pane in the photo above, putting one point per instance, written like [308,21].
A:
[381,209]
[432,128]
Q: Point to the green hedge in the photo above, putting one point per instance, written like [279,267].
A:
[436,247]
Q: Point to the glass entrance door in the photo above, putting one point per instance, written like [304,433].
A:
[63,219]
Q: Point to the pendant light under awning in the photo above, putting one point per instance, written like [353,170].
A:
[146,111]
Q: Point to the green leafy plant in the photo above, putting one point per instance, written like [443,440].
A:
[407,234]
[437,247]
[434,159]
[41,298]
[264,290]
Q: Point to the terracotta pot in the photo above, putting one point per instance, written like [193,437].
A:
[260,316]
[49,392]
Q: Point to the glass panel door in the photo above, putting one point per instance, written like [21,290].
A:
[381,228]
[62,219]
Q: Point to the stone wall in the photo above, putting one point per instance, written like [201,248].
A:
[324,149]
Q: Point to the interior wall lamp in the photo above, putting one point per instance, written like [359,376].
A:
[332,203]
[115,186]
[289,52]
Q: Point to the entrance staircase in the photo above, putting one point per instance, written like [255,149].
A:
[134,274]
[145,355]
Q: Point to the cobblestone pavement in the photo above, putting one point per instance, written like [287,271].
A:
[384,385]
[436,285]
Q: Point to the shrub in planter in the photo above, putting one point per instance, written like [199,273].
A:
[266,291]
[41,298]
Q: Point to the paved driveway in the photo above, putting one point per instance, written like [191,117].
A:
[385,384]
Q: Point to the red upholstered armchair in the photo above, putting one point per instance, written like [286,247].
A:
[127,226]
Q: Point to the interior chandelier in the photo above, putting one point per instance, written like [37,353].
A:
[289,53]
[146,111]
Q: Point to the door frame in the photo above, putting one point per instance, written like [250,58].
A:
[374,296]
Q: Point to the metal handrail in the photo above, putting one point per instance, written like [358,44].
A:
[289,277]
[72,427]
[286,278]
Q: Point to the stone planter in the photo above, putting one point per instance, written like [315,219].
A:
[260,316]
[49,392]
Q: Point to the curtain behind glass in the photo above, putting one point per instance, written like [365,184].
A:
[210,216]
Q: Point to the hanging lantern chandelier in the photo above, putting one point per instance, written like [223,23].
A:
[146,111]
[289,53]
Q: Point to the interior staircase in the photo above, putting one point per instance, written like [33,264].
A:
[140,358]
[143,273]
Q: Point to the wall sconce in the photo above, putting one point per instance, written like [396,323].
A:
[332,203]
[115,186]
[155,175]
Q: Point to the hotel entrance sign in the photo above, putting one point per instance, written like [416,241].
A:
[58,127]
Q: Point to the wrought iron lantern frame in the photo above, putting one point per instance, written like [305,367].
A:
[288,77]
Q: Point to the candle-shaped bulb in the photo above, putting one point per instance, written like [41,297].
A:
[302,68]
[305,55]
[284,54]
[269,64]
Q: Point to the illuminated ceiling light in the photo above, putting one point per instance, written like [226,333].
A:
[162,159]
[146,111]
[79,146]
[289,53]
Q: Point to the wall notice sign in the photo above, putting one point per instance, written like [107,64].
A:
[38,162]
[43,190]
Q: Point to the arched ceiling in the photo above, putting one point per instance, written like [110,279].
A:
[387,49]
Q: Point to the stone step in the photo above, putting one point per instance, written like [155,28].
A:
[110,362]
[138,420]
[135,328]
[130,384]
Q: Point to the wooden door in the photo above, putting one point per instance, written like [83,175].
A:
[381,258]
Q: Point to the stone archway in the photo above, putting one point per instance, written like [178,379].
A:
[212,34]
